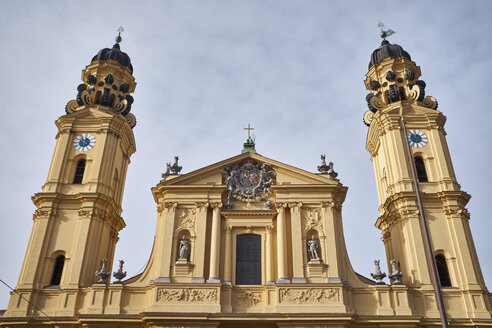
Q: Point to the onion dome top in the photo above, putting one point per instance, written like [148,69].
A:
[115,54]
[387,50]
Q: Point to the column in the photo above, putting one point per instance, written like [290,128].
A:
[297,247]
[268,255]
[228,255]
[281,253]
[213,277]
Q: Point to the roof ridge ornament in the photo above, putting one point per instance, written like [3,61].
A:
[249,145]
[118,37]
[384,34]
[172,169]
[327,169]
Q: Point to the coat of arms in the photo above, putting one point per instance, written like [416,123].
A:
[248,182]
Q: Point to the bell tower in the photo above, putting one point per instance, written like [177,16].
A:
[77,220]
[397,98]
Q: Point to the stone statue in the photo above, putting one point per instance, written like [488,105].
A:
[395,275]
[168,171]
[184,249]
[327,169]
[378,275]
[175,168]
[312,245]
[172,169]
[331,171]
[323,168]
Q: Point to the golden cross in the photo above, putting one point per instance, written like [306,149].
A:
[249,128]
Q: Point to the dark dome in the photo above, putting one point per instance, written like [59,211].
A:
[116,54]
[387,50]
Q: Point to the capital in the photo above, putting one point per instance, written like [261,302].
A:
[216,205]
[202,206]
[296,206]
[280,205]
[170,205]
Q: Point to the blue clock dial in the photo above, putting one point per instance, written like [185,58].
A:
[84,142]
[417,138]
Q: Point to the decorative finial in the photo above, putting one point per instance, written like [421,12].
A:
[378,275]
[384,34]
[103,274]
[120,274]
[119,30]
[396,274]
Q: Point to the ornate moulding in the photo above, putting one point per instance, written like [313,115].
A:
[187,295]
[318,295]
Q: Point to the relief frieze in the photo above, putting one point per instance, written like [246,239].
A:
[250,298]
[187,295]
[309,295]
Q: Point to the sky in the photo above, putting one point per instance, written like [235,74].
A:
[294,70]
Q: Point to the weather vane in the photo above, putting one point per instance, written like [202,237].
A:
[119,30]
[384,34]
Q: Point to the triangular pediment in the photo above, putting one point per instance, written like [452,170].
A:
[285,174]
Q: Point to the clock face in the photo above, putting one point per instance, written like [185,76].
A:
[417,138]
[84,142]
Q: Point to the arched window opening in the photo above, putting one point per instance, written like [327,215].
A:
[248,259]
[57,271]
[442,271]
[420,167]
[79,172]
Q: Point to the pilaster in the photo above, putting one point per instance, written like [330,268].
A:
[166,242]
[297,247]
[201,234]
[228,255]
[269,255]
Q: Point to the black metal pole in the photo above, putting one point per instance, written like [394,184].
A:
[425,230]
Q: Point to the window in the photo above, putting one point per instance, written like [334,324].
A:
[57,271]
[79,172]
[248,259]
[442,271]
[420,167]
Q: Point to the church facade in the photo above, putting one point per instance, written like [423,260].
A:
[249,241]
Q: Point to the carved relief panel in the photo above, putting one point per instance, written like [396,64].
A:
[317,295]
[187,295]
